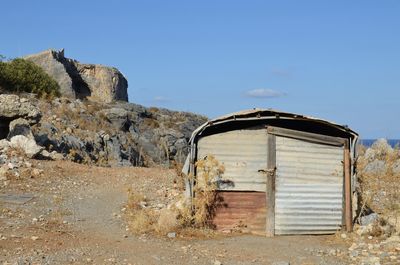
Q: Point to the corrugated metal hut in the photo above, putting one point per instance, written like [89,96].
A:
[284,173]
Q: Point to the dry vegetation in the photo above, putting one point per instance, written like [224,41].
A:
[186,217]
[380,181]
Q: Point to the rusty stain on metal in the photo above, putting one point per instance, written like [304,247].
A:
[243,210]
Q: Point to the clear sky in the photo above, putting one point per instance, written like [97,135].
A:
[337,60]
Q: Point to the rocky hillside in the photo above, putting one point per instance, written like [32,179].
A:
[77,80]
[107,134]
[379,186]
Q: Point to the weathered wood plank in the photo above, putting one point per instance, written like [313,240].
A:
[270,190]
[347,187]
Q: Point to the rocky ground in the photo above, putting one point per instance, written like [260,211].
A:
[376,238]
[68,213]
[60,212]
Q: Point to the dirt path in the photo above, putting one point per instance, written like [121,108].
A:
[75,218]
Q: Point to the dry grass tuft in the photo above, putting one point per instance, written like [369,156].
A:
[209,172]
[180,216]
[141,220]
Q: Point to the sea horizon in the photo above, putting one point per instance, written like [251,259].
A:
[369,142]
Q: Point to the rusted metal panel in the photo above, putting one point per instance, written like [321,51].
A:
[309,187]
[243,154]
[241,210]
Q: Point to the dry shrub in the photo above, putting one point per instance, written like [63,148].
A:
[92,121]
[209,172]
[167,221]
[180,180]
[154,109]
[142,221]
[181,216]
[135,200]
[150,123]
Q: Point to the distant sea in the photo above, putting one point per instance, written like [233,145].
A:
[369,142]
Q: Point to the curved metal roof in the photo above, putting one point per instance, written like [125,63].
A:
[257,113]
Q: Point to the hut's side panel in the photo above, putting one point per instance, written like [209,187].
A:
[242,198]
[244,155]
[309,187]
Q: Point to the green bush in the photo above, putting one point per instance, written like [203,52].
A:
[20,75]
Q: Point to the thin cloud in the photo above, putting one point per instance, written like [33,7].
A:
[161,99]
[264,93]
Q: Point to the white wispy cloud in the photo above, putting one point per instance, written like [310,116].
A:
[264,93]
[161,99]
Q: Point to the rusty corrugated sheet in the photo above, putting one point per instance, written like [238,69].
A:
[243,153]
[309,187]
[241,210]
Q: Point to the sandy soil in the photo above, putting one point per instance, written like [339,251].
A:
[76,217]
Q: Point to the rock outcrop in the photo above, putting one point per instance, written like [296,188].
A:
[16,117]
[115,134]
[106,84]
[76,80]
[57,66]
[13,107]
[378,174]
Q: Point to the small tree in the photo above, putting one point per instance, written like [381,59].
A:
[20,75]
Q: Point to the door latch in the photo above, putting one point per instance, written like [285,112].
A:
[270,171]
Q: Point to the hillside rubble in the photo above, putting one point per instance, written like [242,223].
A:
[378,170]
[376,235]
[114,134]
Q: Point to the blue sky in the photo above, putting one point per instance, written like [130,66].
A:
[338,60]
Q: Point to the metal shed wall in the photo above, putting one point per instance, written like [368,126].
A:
[308,188]
[240,210]
[243,153]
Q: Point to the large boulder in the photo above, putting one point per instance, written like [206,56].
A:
[13,107]
[106,84]
[118,117]
[376,167]
[20,127]
[77,80]
[55,65]
[29,146]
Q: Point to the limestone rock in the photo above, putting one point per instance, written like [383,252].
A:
[77,80]
[396,167]
[376,167]
[14,107]
[4,144]
[118,117]
[106,84]
[381,148]
[20,127]
[55,65]
[369,219]
[29,146]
